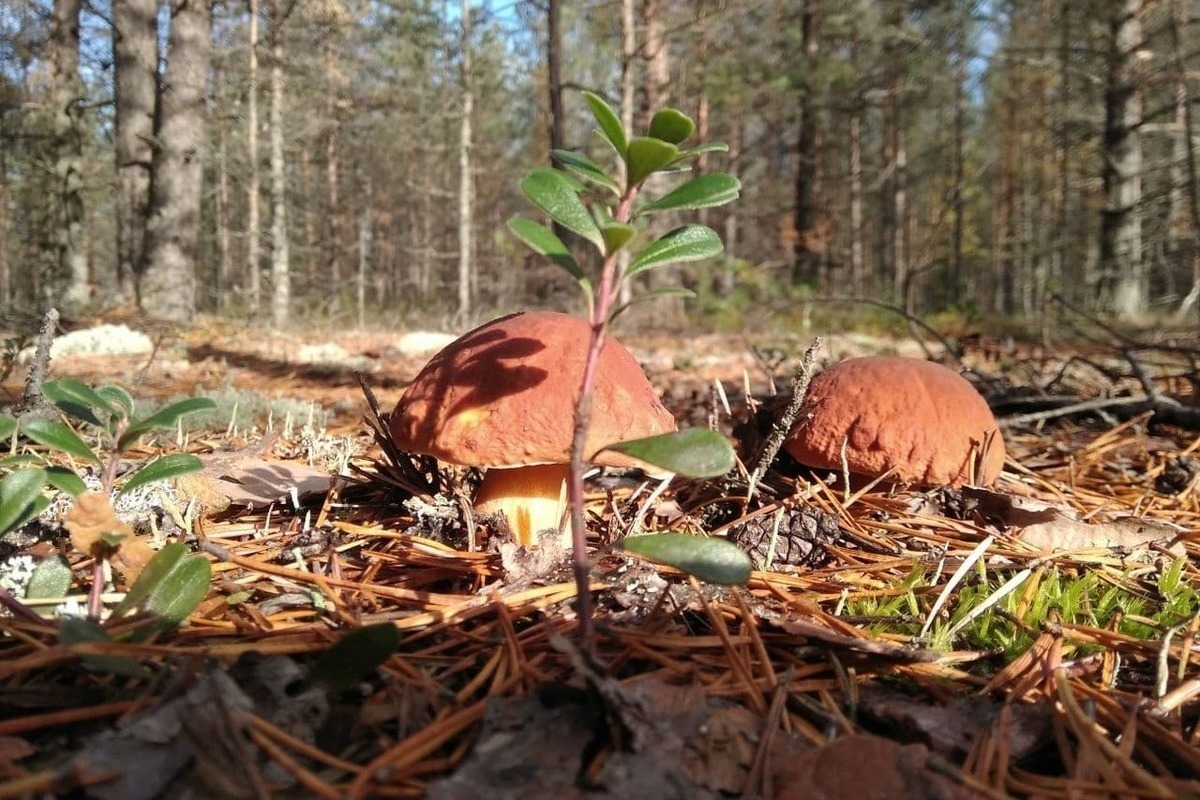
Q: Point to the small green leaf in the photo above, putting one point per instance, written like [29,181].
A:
[647,156]
[59,437]
[65,480]
[355,656]
[155,572]
[584,167]
[118,398]
[163,418]
[77,399]
[21,498]
[610,124]
[21,460]
[8,424]
[542,241]
[616,236]
[671,125]
[692,452]
[653,294]
[178,594]
[51,579]
[162,468]
[73,631]
[709,559]
[552,192]
[705,191]
[699,150]
[689,243]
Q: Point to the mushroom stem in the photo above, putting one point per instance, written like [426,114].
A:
[531,499]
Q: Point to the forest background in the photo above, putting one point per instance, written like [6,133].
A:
[356,160]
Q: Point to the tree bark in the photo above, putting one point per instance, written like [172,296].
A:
[1123,268]
[465,187]
[254,179]
[626,110]
[332,170]
[66,256]
[135,81]
[807,249]
[167,282]
[1186,144]
[281,278]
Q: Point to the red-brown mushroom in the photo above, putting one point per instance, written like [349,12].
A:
[503,397]
[922,420]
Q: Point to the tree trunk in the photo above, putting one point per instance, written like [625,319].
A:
[224,253]
[1123,268]
[332,188]
[167,283]
[281,280]
[558,136]
[66,250]
[254,179]
[628,90]
[806,248]
[465,204]
[858,266]
[135,80]
[1187,140]
[957,170]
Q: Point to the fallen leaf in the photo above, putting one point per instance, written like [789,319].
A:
[250,481]
[1124,533]
[1050,527]
[92,520]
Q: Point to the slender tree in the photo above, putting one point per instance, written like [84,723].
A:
[465,183]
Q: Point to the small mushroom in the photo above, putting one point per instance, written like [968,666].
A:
[920,418]
[502,397]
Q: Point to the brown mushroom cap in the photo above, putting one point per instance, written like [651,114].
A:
[503,395]
[925,420]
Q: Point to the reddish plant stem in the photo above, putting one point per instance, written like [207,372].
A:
[601,306]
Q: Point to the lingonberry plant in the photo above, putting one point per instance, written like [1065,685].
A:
[608,211]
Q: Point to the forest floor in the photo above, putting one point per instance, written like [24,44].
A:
[1036,639]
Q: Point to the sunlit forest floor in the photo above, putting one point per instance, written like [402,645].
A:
[1037,639]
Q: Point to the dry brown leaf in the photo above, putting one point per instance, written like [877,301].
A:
[1051,527]
[249,481]
[92,517]
[1125,533]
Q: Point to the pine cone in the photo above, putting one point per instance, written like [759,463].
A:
[804,532]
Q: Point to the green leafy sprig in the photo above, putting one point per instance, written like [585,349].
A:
[607,210]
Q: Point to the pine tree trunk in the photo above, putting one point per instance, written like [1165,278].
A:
[1123,268]
[66,256]
[806,255]
[254,179]
[333,247]
[626,110]
[135,80]
[167,282]
[281,278]
[465,188]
